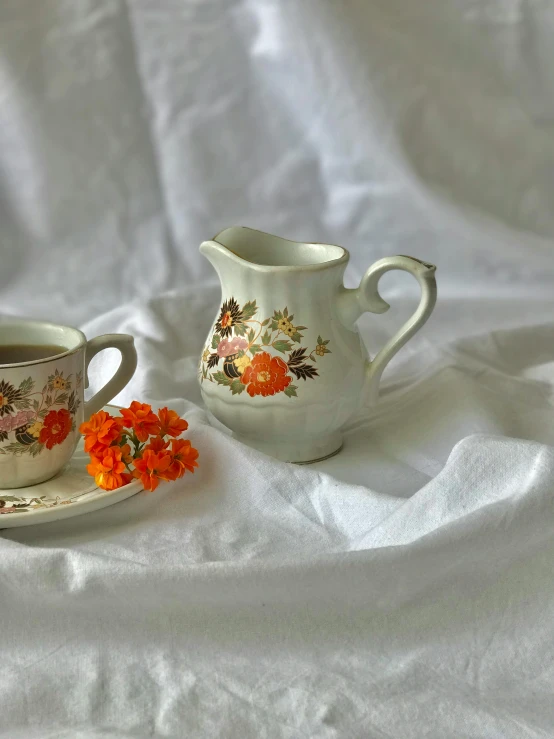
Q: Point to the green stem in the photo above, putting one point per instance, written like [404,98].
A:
[136,443]
[256,337]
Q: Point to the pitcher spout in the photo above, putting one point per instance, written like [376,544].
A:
[216,254]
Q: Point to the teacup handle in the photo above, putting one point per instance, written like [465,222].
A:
[126,346]
[370,300]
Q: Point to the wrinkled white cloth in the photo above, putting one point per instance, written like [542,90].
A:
[402,588]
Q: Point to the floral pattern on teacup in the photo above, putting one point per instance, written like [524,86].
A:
[31,420]
[248,349]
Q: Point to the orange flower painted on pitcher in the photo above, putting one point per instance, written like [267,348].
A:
[140,419]
[100,431]
[56,427]
[266,375]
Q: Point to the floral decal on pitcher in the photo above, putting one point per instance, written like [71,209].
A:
[247,350]
[32,420]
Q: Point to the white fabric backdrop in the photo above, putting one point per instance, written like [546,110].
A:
[403,588]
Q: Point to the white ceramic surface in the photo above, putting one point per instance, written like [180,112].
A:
[72,492]
[284,367]
[42,402]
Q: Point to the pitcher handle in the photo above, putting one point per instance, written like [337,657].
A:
[370,300]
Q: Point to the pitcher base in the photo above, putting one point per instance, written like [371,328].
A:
[296,451]
[322,459]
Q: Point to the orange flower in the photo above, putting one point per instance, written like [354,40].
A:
[170,423]
[126,455]
[157,444]
[100,431]
[266,375]
[56,427]
[151,468]
[183,458]
[140,418]
[108,469]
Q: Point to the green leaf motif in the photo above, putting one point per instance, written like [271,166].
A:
[277,315]
[36,448]
[241,353]
[43,413]
[326,342]
[48,400]
[16,448]
[282,346]
[215,341]
[290,391]
[221,379]
[296,336]
[35,405]
[319,340]
[240,329]
[237,387]
[273,326]
[264,323]
[286,312]
[249,309]
[61,399]
[22,403]
[251,335]
[27,385]
[255,348]
[266,338]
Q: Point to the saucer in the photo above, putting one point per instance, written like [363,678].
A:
[72,492]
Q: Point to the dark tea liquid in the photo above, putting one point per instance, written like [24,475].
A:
[15,353]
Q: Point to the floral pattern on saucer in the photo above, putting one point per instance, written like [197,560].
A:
[13,504]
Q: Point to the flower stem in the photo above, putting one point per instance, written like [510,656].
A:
[257,336]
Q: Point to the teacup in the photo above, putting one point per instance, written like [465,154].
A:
[42,397]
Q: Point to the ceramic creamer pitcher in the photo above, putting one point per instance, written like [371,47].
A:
[284,367]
